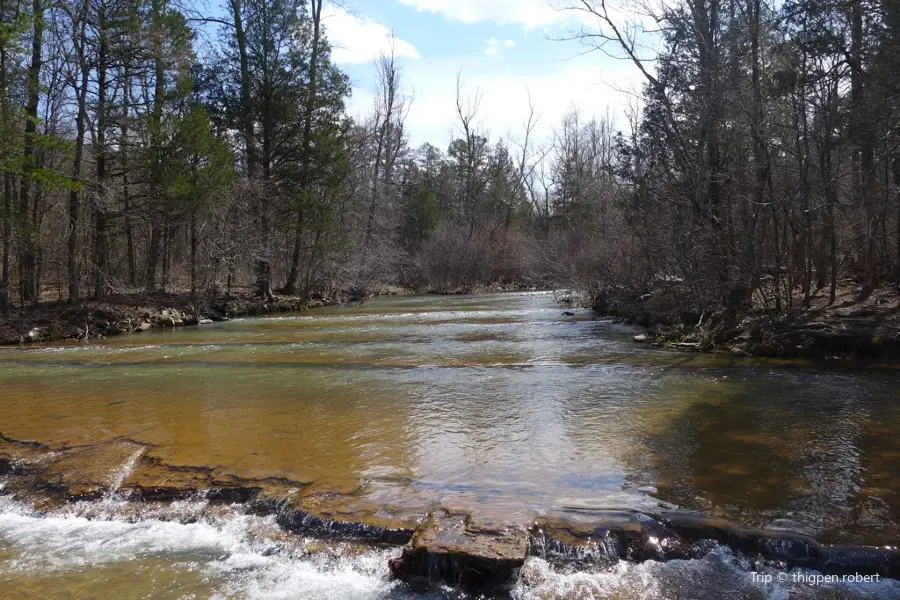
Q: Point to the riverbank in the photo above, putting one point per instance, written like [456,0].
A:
[124,314]
[851,327]
[438,545]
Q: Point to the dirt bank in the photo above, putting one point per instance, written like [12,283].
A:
[850,327]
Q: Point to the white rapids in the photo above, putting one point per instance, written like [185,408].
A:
[190,551]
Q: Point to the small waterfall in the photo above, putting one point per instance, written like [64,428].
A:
[118,476]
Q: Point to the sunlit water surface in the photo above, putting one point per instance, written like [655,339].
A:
[497,404]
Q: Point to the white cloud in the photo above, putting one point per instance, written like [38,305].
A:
[357,39]
[591,86]
[530,13]
[492,47]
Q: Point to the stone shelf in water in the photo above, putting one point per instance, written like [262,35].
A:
[453,549]
[439,545]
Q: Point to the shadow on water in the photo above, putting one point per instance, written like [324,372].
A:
[805,453]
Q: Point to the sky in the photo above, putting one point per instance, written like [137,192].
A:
[505,50]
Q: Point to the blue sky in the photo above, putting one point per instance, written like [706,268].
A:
[504,50]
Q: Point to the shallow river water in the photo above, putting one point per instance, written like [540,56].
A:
[496,404]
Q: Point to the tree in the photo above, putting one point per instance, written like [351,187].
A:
[30,164]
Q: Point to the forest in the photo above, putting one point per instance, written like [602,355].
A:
[151,145]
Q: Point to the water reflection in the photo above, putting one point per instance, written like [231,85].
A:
[499,404]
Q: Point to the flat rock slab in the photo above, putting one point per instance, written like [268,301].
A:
[79,472]
[451,548]
[341,513]
[47,478]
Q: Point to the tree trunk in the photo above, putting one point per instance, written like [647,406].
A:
[28,259]
[166,248]
[74,274]
[864,152]
[895,167]
[263,267]
[126,183]
[290,286]
[156,213]
[193,253]
[7,235]
[154,250]
[246,102]
[101,255]
[6,223]
[748,214]
[830,203]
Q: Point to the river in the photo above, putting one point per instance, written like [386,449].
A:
[495,404]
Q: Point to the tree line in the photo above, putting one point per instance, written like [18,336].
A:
[763,165]
[148,145]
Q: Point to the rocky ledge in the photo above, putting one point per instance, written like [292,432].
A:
[439,545]
[451,548]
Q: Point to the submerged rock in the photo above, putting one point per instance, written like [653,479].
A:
[451,548]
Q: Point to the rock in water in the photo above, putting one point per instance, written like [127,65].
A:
[450,548]
[640,338]
[568,313]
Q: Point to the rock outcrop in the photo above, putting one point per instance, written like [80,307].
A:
[451,548]
[439,547]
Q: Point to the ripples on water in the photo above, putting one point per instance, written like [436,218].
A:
[496,404]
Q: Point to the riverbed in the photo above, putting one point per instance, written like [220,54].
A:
[497,405]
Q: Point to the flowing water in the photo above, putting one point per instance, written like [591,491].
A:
[496,404]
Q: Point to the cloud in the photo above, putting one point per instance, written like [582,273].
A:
[546,14]
[529,13]
[591,86]
[356,39]
[492,47]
